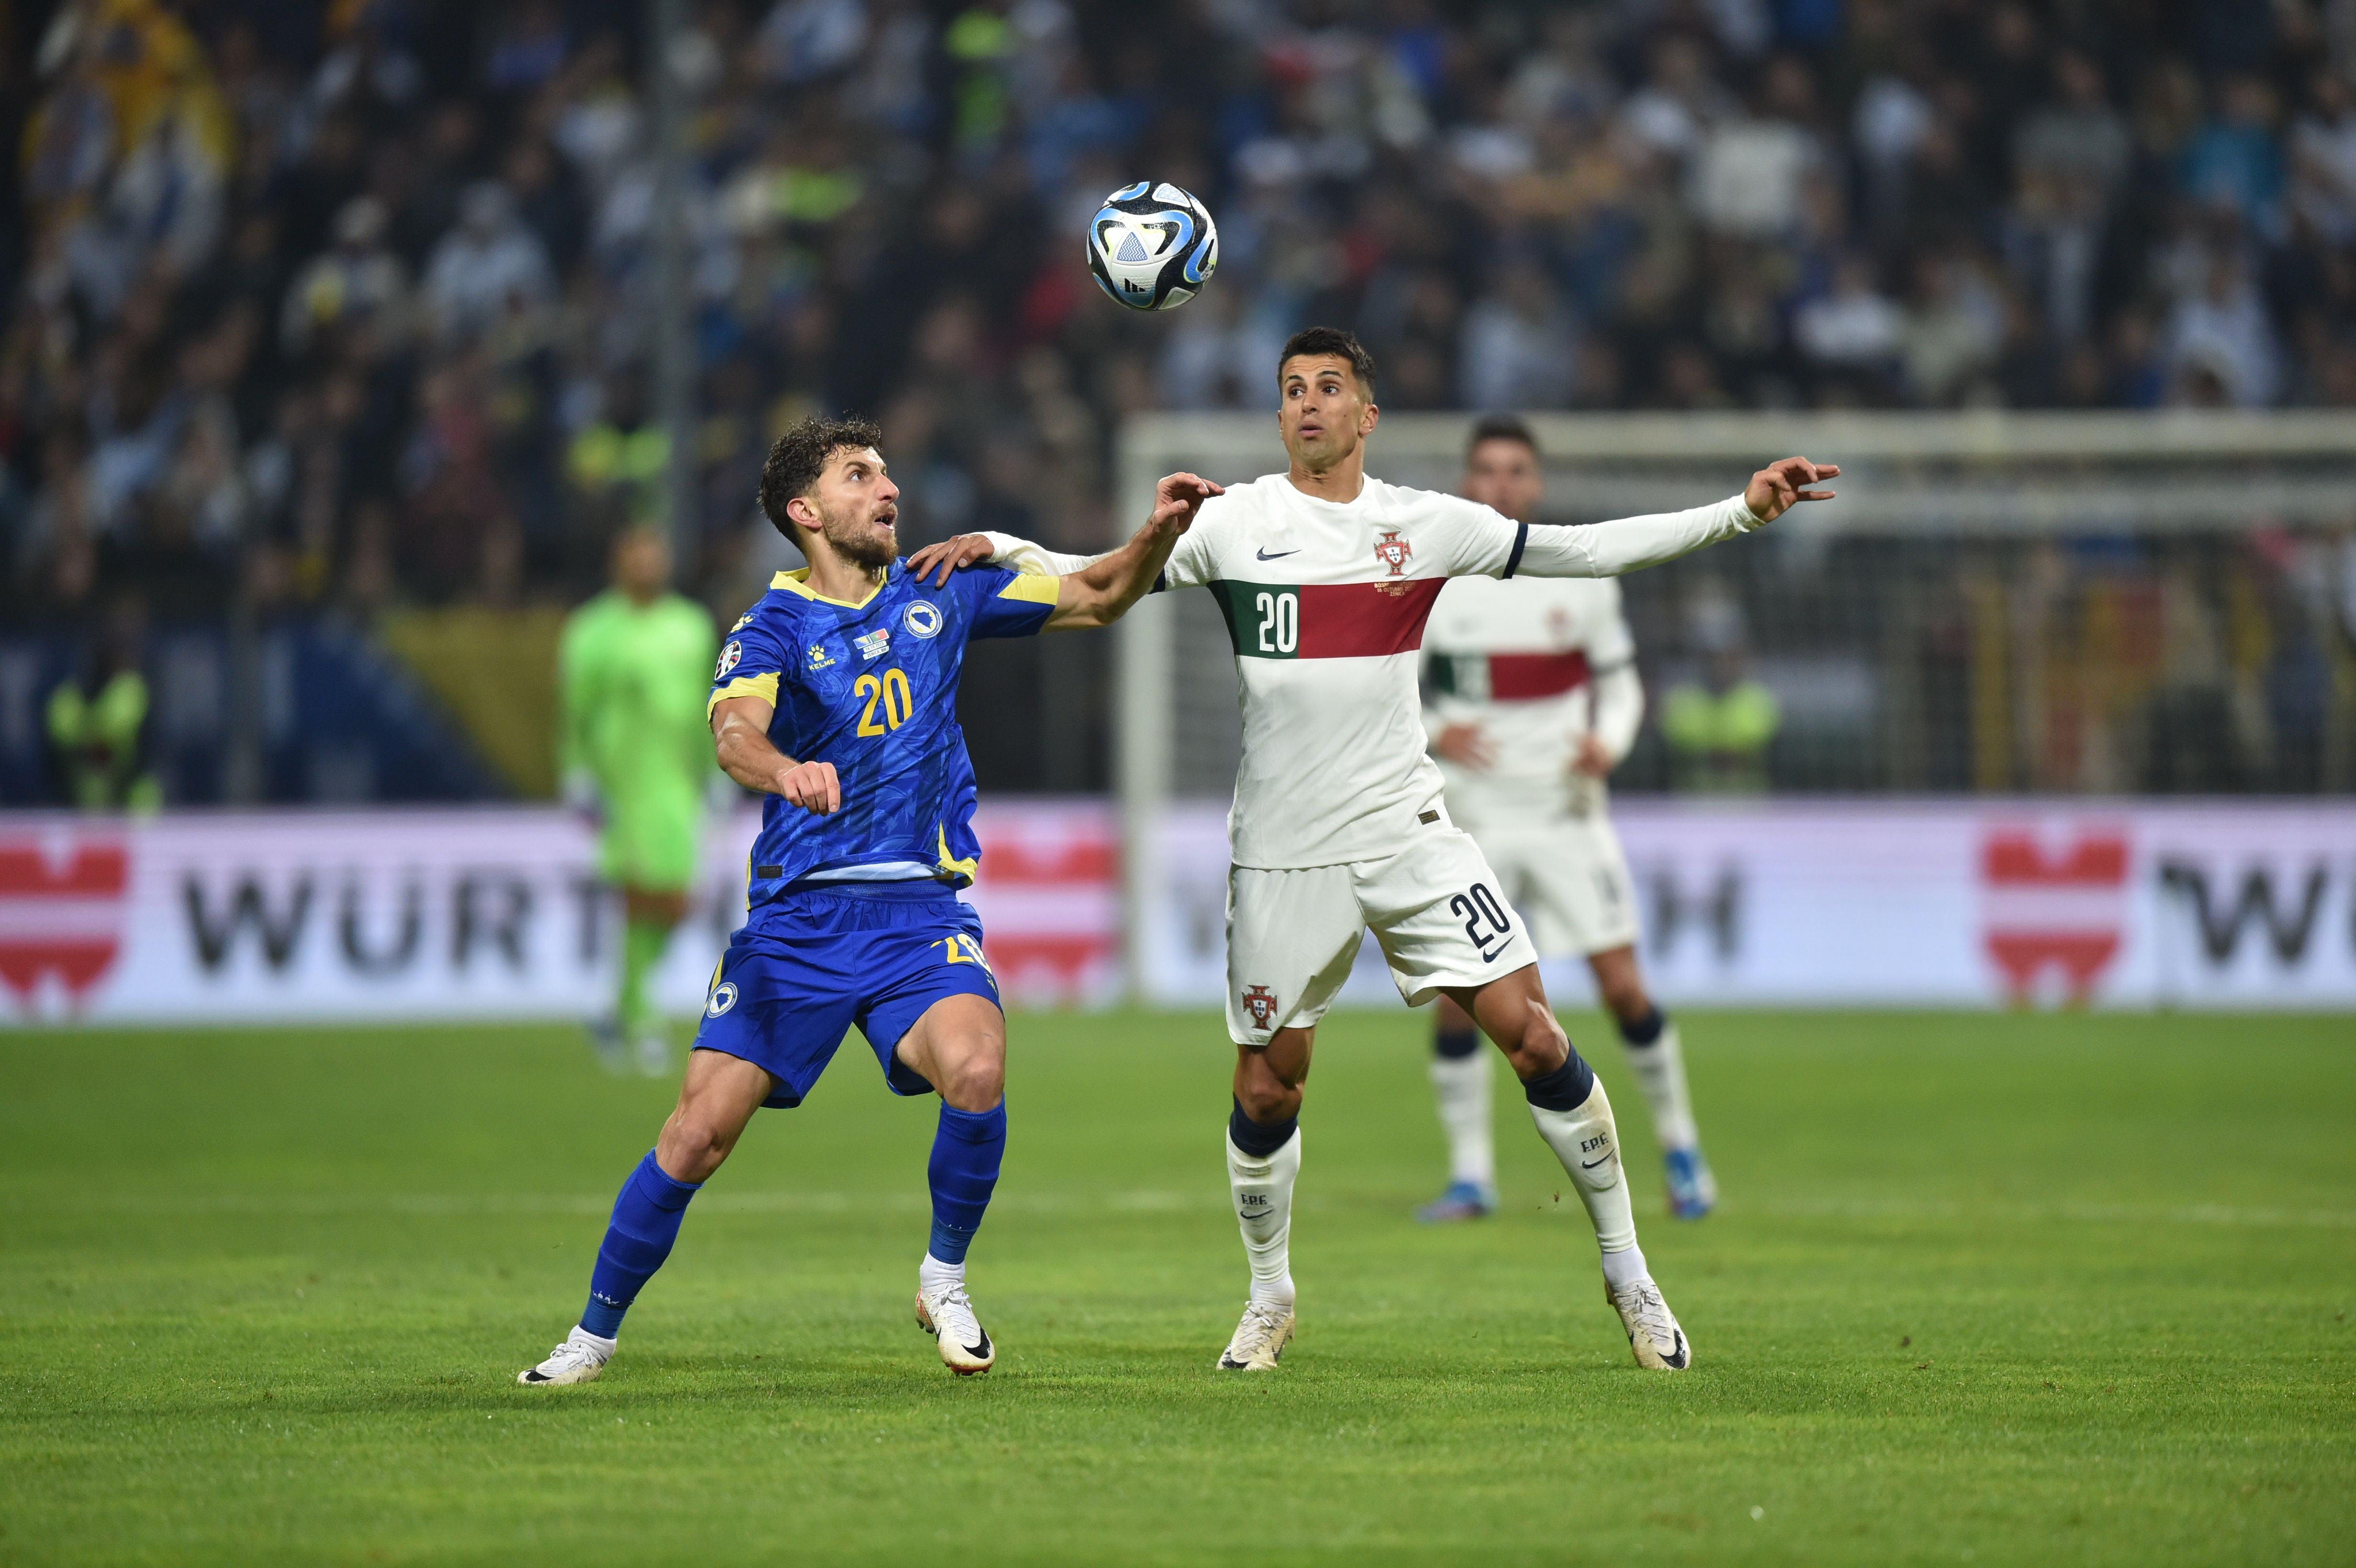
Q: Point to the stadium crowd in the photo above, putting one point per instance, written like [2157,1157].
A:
[346,305]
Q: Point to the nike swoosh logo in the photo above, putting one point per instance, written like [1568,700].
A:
[1592,1164]
[1279,555]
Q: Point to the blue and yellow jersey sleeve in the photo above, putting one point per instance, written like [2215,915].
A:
[1002,603]
[751,661]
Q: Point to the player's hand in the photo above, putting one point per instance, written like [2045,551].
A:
[1177,500]
[1591,757]
[813,786]
[952,554]
[1467,746]
[1776,488]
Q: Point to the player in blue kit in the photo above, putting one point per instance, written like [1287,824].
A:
[836,694]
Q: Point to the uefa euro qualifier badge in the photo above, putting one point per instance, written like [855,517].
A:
[729,657]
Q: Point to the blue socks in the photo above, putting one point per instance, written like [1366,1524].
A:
[1455,1045]
[1645,1030]
[1564,1089]
[964,1170]
[644,1224]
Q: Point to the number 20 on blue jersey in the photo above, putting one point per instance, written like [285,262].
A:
[889,692]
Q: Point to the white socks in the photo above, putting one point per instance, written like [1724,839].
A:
[1588,1146]
[1660,1070]
[1263,1195]
[1462,1084]
[934,1274]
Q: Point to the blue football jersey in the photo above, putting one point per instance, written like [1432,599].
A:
[871,688]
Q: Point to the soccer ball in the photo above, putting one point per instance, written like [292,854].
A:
[1152,246]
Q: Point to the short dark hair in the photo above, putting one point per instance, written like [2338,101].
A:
[1500,427]
[800,455]
[1332,340]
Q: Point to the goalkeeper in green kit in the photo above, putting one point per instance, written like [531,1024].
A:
[633,670]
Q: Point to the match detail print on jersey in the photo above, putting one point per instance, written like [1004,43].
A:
[1326,620]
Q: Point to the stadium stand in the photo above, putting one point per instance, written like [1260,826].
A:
[321,313]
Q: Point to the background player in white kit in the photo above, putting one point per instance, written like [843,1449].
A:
[1531,699]
[1325,576]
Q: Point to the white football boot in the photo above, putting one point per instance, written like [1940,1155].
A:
[577,1361]
[947,1313]
[1260,1337]
[1652,1332]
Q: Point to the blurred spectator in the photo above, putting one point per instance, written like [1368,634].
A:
[1520,347]
[97,723]
[1721,726]
[2323,160]
[1854,327]
[2221,344]
[489,265]
[1718,728]
[359,283]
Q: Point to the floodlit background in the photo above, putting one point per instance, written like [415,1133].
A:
[342,338]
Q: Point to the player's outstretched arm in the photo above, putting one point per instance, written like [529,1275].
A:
[740,735]
[1101,592]
[1628,544]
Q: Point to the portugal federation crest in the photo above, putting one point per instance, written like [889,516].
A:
[1260,1002]
[1393,552]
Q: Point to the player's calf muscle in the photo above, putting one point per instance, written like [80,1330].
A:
[1512,1011]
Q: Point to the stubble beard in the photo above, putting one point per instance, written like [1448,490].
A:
[857,542]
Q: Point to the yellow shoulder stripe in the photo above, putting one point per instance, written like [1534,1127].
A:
[763,687]
[1035,590]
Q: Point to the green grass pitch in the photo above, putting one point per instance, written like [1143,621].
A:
[2008,1289]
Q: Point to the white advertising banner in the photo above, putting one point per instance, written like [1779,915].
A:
[206,917]
[495,913]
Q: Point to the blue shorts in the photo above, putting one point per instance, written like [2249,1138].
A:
[830,954]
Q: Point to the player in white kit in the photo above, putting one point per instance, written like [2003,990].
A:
[1531,699]
[1339,825]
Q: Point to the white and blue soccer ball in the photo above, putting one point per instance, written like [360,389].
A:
[1152,246]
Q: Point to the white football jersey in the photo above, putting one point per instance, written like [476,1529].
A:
[1325,604]
[1536,662]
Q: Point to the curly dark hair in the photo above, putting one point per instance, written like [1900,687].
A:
[800,455]
[1334,341]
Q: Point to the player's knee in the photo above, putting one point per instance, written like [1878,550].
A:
[1624,996]
[976,1084]
[692,1145]
[1265,1097]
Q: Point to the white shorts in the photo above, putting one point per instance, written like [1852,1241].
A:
[1568,877]
[1436,909]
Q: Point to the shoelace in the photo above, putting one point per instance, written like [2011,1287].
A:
[1653,1312]
[1261,1320]
[955,1299]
